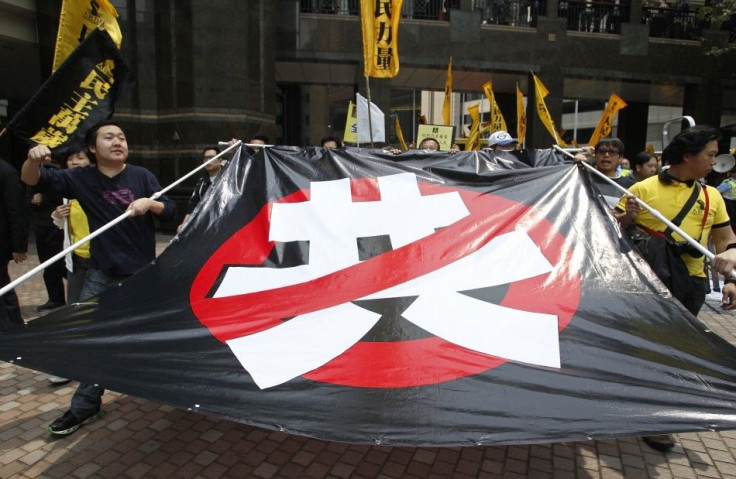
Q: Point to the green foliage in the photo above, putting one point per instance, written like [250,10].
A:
[716,12]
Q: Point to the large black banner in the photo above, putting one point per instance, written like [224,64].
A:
[437,300]
[81,93]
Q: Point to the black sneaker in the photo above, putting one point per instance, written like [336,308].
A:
[68,423]
[661,442]
[50,305]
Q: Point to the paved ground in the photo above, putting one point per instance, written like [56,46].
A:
[141,439]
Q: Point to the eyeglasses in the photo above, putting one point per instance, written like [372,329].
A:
[605,151]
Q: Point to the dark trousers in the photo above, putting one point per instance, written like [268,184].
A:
[10,317]
[87,399]
[50,241]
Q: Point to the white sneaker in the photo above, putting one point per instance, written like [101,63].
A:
[58,381]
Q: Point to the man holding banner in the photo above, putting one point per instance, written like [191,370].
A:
[691,156]
[104,193]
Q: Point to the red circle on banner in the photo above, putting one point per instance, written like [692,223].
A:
[414,362]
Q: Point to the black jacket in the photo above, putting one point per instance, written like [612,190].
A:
[13,213]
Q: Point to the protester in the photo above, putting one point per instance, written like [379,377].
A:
[13,240]
[502,141]
[643,165]
[607,153]
[330,142]
[72,221]
[204,183]
[429,144]
[727,189]
[677,193]
[49,242]
[105,193]
[257,139]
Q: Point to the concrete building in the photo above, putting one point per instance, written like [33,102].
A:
[210,70]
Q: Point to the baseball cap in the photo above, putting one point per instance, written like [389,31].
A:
[501,138]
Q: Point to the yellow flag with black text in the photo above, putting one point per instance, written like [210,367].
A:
[605,124]
[350,135]
[544,115]
[498,122]
[520,116]
[380,25]
[400,135]
[446,105]
[473,143]
[78,19]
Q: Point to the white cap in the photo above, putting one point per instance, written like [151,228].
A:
[501,138]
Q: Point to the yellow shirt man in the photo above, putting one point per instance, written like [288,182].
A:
[668,199]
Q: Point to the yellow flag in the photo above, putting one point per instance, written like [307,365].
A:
[603,129]
[520,116]
[380,24]
[473,143]
[351,125]
[543,112]
[448,94]
[78,19]
[400,135]
[498,122]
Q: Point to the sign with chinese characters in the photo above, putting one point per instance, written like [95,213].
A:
[380,22]
[445,135]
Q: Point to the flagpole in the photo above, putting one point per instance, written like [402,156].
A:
[109,225]
[654,212]
[370,122]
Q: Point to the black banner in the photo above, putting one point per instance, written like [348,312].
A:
[81,93]
[438,300]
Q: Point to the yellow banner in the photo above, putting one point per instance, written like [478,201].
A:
[351,125]
[448,95]
[498,122]
[78,19]
[543,112]
[400,135]
[520,116]
[473,143]
[605,124]
[380,22]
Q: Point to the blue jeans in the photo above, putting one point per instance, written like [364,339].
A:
[87,398]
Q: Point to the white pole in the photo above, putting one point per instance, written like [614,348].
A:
[654,212]
[109,225]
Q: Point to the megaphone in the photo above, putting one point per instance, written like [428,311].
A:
[724,163]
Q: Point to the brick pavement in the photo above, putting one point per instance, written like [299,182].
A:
[137,438]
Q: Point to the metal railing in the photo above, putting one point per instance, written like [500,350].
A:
[598,17]
[583,15]
[671,23]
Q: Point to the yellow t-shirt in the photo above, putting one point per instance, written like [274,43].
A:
[78,228]
[669,200]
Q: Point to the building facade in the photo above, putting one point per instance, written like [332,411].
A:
[211,70]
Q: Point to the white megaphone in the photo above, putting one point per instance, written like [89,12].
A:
[724,163]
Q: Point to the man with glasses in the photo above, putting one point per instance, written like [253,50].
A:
[608,153]
[204,183]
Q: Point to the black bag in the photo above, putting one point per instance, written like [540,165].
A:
[664,257]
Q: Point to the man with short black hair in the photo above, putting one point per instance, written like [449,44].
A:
[105,192]
[204,183]
[700,210]
[429,144]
